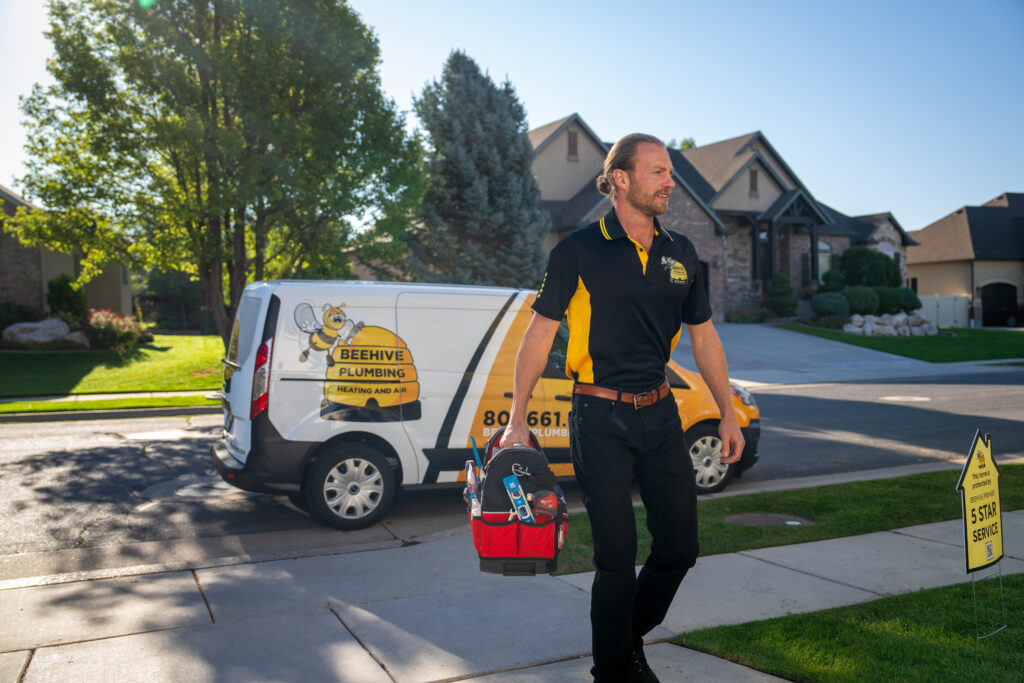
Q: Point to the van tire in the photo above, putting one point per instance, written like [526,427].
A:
[351,486]
[705,448]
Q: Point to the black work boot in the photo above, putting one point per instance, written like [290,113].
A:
[639,671]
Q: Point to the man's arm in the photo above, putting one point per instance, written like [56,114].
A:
[530,363]
[710,359]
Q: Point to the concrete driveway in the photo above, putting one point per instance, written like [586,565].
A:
[761,354]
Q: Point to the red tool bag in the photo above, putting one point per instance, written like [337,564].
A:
[507,543]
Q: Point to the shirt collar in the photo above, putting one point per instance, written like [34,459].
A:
[612,229]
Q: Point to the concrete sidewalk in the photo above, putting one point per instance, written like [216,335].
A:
[425,613]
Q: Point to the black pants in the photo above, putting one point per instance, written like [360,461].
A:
[613,444]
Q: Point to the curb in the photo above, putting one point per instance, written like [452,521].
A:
[121,413]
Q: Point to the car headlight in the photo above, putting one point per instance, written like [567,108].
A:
[746,397]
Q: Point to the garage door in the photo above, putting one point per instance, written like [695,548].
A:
[994,298]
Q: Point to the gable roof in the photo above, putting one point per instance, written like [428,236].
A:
[719,162]
[541,137]
[876,220]
[10,196]
[570,213]
[992,232]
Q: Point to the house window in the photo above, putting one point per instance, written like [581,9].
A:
[753,182]
[573,145]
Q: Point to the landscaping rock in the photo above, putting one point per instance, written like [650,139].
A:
[869,329]
[918,331]
[857,319]
[900,320]
[78,338]
[853,329]
[36,333]
[903,330]
[886,330]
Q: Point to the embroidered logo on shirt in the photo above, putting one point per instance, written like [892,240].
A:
[676,270]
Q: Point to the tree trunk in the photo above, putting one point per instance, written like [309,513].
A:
[211,279]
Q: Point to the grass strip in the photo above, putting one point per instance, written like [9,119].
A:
[105,404]
[169,363]
[955,344]
[924,636]
[837,510]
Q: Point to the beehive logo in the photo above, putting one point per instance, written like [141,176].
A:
[370,377]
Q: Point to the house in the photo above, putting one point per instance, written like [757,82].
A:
[24,271]
[746,211]
[977,252]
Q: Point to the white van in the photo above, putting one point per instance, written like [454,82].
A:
[339,394]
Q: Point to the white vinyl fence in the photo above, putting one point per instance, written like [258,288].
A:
[945,310]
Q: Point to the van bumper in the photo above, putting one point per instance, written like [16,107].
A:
[238,474]
[751,434]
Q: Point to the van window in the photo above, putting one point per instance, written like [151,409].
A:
[559,349]
[245,328]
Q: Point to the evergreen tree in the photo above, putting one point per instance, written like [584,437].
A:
[480,218]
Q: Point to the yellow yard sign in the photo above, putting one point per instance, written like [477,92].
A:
[979,493]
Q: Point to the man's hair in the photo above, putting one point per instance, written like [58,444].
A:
[622,155]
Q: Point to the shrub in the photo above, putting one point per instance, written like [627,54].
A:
[108,330]
[908,300]
[64,296]
[831,281]
[830,304]
[831,322]
[11,313]
[888,299]
[780,296]
[746,315]
[862,300]
[869,268]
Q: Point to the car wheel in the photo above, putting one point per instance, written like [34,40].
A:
[706,453]
[350,487]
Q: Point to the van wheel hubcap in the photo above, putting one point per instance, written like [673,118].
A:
[353,488]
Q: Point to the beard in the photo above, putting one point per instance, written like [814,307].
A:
[647,204]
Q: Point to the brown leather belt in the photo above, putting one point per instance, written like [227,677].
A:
[647,398]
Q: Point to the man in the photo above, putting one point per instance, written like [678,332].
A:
[628,286]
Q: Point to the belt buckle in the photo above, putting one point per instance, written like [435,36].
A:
[640,397]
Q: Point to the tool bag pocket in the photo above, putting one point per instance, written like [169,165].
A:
[505,543]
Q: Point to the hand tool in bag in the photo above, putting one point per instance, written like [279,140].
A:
[545,503]
[515,493]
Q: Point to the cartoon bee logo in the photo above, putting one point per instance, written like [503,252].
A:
[334,326]
[370,372]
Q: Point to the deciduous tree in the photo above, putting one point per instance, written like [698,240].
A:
[236,139]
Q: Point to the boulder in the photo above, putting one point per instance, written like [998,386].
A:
[78,338]
[857,319]
[917,331]
[36,333]
[886,330]
[930,329]
[853,329]
[903,330]
[869,329]
[899,319]
[917,319]
[886,319]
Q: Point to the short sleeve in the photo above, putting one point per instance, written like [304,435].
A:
[560,281]
[696,306]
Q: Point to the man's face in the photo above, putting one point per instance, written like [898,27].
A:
[650,181]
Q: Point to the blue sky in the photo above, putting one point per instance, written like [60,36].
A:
[909,106]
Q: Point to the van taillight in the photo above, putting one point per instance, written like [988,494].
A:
[261,379]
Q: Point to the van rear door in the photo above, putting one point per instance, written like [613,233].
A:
[239,368]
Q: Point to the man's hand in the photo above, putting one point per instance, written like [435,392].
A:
[514,434]
[732,440]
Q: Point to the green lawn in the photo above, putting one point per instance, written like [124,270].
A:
[838,510]
[925,636]
[954,344]
[169,363]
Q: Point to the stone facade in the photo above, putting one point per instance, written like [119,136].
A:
[20,273]
[687,218]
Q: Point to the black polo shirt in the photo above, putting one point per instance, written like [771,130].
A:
[625,307]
